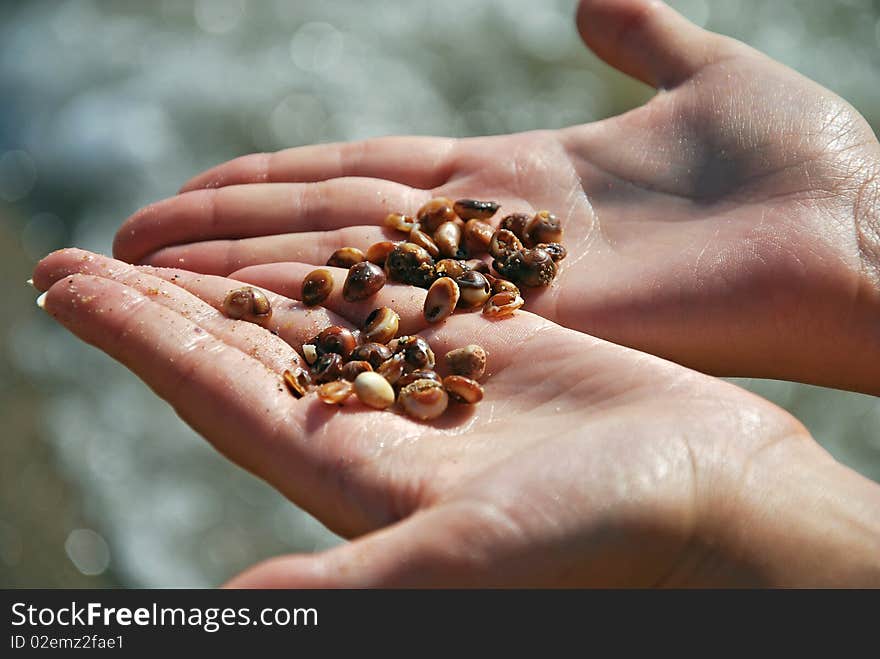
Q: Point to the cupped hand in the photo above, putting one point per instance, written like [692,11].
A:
[729,224]
[587,463]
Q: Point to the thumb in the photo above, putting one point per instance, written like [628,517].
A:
[447,546]
[648,40]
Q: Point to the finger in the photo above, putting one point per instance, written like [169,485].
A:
[262,209]
[273,352]
[648,40]
[446,546]
[221,257]
[286,279]
[219,390]
[291,319]
[420,162]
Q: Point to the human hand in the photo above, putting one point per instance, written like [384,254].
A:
[729,224]
[586,464]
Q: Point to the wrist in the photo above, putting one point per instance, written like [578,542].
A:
[799,519]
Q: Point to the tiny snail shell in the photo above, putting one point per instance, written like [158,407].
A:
[424,399]
[400,222]
[378,252]
[462,389]
[516,223]
[469,361]
[297,381]
[316,286]
[372,352]
[543,228]
[328,367]
[502,304]
[478,234]
[364,280]
[247,303]
[474,288]
[503,244]
[373,390]
[447,237]
[435,212]
[346,257]
[354,368]
[531,267]
[441,300]
[392,368]
[423,240]
[470,209]
[381,325]
[335,392]
[336,339]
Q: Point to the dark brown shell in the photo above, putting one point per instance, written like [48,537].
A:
[364,280]
[410,264]
[316,287]
[469,209]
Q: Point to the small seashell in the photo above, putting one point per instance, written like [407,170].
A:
[469,209]
[478,235]
[469,361]
[543,228]
[381,325]
[448,240]
[502,304]
[374,353]
[410,264]
[418,374]
[378,252]
[423,240]
[336,392]
[354,368]
[336,339]
[435,212]
[346,257]
[424,399]
[327,367]
[392,368]
[415,350]
[503,244]
[400,222]
[556,251]
[316,286]
[247,303]
[462,389]
[441,300]
[364,280]
[297,381]
[451,268]
[500,285]
[530,267]
[474,290]
[516,223]
[373,390]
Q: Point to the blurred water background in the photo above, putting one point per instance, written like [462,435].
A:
[108,105]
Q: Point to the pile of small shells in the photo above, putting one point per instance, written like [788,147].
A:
[381,370]
[443,240]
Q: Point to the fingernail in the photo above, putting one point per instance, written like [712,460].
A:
[30,282]
[41,300]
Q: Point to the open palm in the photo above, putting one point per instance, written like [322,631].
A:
[586,463]
[734,206]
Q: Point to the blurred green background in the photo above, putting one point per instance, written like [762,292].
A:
[108,105]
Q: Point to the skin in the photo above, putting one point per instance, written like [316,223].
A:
[588,463]
[737,208]
[591,465]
